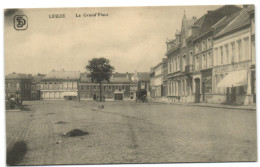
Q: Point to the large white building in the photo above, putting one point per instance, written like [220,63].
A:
[60,85]
[232,81]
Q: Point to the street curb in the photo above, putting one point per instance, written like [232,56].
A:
[187,104]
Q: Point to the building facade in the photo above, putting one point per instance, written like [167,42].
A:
[173,57]
[36,87]
[179,63]
[156,81]
[233,74]
[60,85]
[18,85]
[207,27]
[120,87]
[164,78]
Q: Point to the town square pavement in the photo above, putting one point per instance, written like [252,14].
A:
[128,132]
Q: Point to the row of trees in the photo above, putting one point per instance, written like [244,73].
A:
[99,70]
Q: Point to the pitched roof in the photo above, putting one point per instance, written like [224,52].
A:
[240,21]
[62,74]
[116,78]
[84,77]
[208,20]
[119,80]
[143,76]
[37,79]
[17,76]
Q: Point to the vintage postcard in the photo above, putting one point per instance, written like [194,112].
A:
[130,85]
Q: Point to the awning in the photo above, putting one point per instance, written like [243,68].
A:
[234,78]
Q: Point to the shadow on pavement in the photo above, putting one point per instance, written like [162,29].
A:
[17,153]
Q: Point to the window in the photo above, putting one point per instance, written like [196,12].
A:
[178,62]
[17,85]
[216,57]
[60,85]
[69,85]
[221,55]
[239,50]
[142,85]
[87,88]
[246,49]
[233,52]
[209,43]
[82,87]
[65,85]
[207,80]
[183,42]
[109,87]
[227,54]
[184,62]
[75,85]
[94,87]
[105,87]
[203,45]
[55,86]
[45,85]
[216,83]
[197,48]
[196,63]
[191,57]
[123,87]
[209,60]
[204,61]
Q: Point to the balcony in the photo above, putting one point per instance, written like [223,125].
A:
[188,68]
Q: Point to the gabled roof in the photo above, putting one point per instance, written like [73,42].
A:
[186,23]
[240,21]
[17,76]
[62,74]
[209,20]
[143,76]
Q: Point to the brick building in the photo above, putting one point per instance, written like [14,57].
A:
[18,85]
[120,87]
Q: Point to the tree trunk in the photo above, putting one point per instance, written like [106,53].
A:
[100,91]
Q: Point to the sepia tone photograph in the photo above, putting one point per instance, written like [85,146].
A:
[130,85]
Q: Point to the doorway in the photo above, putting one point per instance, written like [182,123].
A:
[233,95]
[197,90]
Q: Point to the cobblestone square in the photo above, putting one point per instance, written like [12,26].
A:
[129,132]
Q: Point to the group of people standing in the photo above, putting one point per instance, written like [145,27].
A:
[15,101]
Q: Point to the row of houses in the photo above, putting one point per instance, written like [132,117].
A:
[61,84]
[211,59]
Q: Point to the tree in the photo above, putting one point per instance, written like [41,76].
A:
[100,70]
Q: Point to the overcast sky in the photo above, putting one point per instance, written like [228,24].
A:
[133,39]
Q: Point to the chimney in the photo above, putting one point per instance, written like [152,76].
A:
[209,11]
[194,18]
